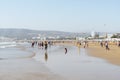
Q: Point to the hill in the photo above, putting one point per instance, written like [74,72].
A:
[28,34]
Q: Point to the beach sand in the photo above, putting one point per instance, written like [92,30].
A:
[25,69]
[112,55]
[94,49]
[77,64]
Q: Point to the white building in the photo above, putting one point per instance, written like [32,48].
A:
[109,35]
[94,34]
[80,38]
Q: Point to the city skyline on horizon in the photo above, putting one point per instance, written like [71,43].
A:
[64,15]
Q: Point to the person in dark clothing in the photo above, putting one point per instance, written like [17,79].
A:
[65,50]
[46,45]
[33,43]
[106,45]
[101,43]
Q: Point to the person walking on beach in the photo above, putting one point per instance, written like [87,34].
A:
[38,44]
[85,44]
[106,45]
[33,43]
[42,45]
[46,45]
[101,43]
[65,50]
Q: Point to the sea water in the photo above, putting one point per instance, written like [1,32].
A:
[9,50]
[7,44]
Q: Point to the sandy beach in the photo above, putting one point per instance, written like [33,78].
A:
[25,69]
[26,63]
[59,39]
[112,55]
[77,64]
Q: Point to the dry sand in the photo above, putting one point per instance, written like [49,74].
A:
[94,49]
[112,55]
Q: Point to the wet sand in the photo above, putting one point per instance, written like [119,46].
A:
[54,64]
[112,56]
[25,69]
[76,64]
[18,64]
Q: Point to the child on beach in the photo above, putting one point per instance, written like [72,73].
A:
[65,50]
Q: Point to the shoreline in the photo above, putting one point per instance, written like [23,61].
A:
[94,49]
[26,68]
[58,66]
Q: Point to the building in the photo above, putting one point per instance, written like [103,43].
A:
[94,34]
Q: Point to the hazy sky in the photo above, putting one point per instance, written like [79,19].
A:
[61,15]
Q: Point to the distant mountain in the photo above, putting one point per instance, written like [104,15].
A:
[28,34]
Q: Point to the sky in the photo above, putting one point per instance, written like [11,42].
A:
[61,15]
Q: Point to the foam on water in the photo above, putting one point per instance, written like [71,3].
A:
[7,44]
[9,51]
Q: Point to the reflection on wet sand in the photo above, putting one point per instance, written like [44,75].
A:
[78,50]
[46,56]
[74,65]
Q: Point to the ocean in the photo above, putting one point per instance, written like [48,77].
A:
[7,44]
[12,50]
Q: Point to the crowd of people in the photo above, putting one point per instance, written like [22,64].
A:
[45,44]
[106,44]
[102,44]
[42,44]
